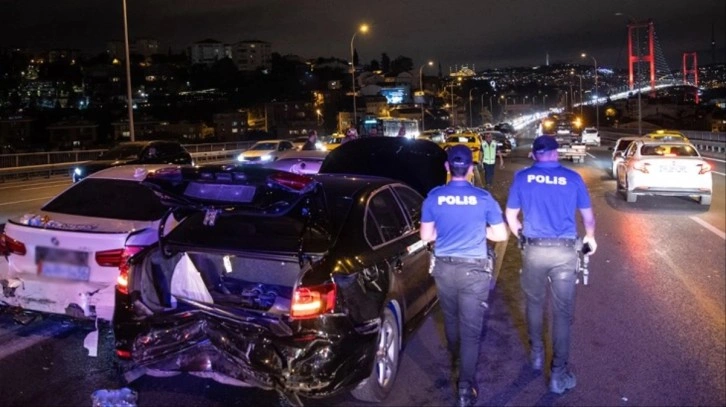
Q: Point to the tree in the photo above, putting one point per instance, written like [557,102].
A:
[401,64]
[375,65]
[385,63]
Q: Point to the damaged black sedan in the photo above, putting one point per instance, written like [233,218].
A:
[306,285]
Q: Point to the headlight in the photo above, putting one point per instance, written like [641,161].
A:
[548,123]
[319,146]
[240,158]
[78,171]
[266,157]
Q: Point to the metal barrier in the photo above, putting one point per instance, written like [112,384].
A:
[716,144]
[47,170]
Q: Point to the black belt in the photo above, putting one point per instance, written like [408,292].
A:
[550,241]
[471,260]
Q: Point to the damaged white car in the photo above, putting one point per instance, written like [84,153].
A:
[65,257]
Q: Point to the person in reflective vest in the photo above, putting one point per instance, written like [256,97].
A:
[490,153]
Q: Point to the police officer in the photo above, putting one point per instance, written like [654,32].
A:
[312,141]
[548,195]
[460,218]
[490,152]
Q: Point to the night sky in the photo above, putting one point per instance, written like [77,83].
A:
[479,33]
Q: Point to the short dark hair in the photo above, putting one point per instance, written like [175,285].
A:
[458,171]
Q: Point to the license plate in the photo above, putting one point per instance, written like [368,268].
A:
[62,263]
[65,271]
[672,168]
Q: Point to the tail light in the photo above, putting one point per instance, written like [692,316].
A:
[8,245]
[705,168]
[123,354]
[292,181]
[641,166]
[310,302]
[122,281]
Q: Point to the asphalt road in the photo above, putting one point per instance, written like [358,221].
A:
[650,329]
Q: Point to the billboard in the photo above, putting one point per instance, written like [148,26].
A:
[397,95]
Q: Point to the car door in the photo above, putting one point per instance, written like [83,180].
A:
[625,165]
[387,225]
[419,257]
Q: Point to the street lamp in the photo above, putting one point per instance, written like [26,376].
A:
[129,98]
[637,79]
[597,96]
[471,120]
[362,29]
[544,99]
[423,99]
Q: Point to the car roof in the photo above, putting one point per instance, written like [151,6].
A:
[269,141]
[649,141]
[135,172]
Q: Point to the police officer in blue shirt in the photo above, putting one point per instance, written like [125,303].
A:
[460,218]
[549,195]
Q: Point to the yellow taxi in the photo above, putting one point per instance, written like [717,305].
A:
[666,135]
[471,140]
[335,141]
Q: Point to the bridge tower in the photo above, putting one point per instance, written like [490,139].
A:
[637,56]
[692,70]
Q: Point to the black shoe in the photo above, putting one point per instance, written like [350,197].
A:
[536,359]
[561,382]
[467,397]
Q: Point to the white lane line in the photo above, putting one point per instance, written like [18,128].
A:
[24,342]
[46,186]
[25,200]
[709,226]
[24,186]
[591,155]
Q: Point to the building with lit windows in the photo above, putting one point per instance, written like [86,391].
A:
[252,55]
[209,51]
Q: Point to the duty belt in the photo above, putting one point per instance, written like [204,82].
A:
[471,260]
[547,241]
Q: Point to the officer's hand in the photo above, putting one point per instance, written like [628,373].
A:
[590,241]
[501,165]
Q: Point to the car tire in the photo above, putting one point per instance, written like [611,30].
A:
[379,384]
[705,200]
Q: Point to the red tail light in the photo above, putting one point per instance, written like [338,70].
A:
[310,302]
[8,245]
[705,168]
[295,182]
[123,354]
[640,166]
[122,281]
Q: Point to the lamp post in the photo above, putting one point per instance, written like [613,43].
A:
[491,110]
[471,120]
[363,29]
[597,97]
[637,79]
[544,99]
[129,97]
[423,99]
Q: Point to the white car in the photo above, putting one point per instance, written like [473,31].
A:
[670,168]
[618,150]
[299,162]
[65,258]
[590,136]
[265,151]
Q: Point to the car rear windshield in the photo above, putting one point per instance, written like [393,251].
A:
[665,150]
[108,198]
[250,232]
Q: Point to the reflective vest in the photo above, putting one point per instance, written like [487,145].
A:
[489,152]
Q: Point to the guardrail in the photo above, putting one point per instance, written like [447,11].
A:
[47,170]
[716,144]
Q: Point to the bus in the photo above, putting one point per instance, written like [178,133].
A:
[390,127]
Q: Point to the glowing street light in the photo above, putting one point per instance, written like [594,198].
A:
[420,84]
[362,29]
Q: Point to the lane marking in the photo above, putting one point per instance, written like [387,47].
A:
[591,155]
[23,187]
[26,200]
[47,186]
[709,226]
[25,342]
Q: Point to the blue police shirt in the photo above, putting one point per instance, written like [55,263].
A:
[461,212]
[548,194]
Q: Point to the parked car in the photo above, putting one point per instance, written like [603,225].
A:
[334,141]
[471,140]
[135,153]
[618,150]
[303,284]
[590,136]
[670,168]
[65,257]
[264,151]
[299,161]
